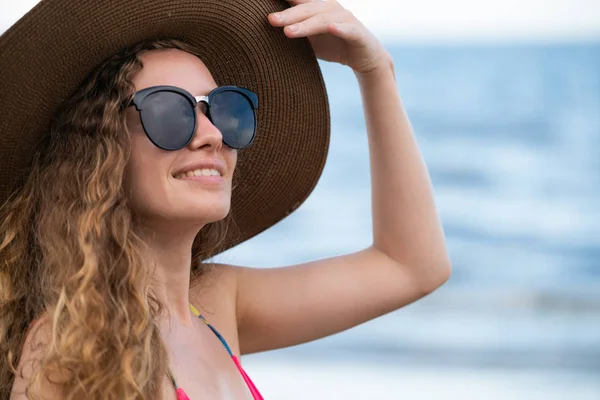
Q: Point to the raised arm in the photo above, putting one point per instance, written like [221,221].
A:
[408,259]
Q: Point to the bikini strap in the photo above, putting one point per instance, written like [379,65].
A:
[172,377]
[212,328]
[181,394]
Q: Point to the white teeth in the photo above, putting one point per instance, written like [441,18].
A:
[198,172]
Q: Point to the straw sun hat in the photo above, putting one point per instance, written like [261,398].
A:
[47,54]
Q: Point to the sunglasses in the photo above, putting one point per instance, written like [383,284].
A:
[168,115]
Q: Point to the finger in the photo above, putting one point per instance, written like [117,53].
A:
[318,24]
[347,31]
[299,13]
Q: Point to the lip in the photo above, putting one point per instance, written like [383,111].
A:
[208,164]
[204,180]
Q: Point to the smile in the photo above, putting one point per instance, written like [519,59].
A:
[198,172]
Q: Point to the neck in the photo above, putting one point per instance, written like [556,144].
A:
[169,260]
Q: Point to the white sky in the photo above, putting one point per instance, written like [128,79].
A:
[448,20]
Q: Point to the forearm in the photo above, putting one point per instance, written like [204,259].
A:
[406,226]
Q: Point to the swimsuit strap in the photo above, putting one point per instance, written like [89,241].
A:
[172,377]
[212,328]
[181,395]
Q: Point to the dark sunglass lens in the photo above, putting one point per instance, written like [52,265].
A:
[231,112]
[168,119]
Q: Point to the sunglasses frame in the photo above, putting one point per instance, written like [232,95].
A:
[141,95]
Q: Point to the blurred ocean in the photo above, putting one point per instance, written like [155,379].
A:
[511,136]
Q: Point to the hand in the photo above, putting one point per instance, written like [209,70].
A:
[334,34]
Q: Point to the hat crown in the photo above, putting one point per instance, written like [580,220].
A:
[44,57]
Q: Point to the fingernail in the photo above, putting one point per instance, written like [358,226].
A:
[293,28]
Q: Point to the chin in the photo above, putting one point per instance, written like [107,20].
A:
[207,213]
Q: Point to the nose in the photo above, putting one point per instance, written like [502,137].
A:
[206,134]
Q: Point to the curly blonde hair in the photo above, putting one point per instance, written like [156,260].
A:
[69,250]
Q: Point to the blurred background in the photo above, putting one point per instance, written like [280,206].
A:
[504,98]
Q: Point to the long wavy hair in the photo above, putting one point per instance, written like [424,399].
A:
[69,250]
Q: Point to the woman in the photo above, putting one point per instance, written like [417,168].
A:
[129,158]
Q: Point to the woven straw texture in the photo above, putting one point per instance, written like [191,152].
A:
[48,52]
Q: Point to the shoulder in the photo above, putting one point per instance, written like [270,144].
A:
[34,350]
[217,281]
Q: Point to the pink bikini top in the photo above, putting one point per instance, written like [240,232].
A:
[181,395]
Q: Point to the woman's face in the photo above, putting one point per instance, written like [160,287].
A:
[158,192]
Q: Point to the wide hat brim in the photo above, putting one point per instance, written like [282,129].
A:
[47,54]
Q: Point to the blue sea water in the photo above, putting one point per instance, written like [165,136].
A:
[511,137]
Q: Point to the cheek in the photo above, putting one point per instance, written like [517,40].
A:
[231,156]
[146,167]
